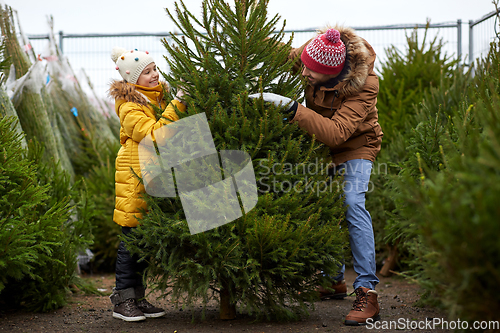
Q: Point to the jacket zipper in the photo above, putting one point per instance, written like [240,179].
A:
[335,95]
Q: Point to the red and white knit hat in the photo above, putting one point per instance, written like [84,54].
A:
[325,54]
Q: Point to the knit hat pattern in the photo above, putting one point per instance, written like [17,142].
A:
[130,63]
[325,54]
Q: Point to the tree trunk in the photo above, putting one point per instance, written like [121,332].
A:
[227,309]
[391,261]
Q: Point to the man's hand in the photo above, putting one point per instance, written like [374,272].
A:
[275,99]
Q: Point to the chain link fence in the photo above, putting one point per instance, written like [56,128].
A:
[482,32]
[91,52]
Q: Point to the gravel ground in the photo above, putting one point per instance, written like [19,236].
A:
[94,314]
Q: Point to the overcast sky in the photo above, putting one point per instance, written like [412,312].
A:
[98,16]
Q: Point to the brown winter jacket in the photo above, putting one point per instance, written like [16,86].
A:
[342,113]
[137,119]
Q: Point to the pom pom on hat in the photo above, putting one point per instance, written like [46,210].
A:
[332,35]
[117,52]
[325,54]
[130,63]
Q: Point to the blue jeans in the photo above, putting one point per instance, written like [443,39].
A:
[356,179]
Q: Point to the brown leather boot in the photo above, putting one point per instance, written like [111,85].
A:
[365,307]
[335,291]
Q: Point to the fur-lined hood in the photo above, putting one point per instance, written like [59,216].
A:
[360,60]
[121,90]
[342,112]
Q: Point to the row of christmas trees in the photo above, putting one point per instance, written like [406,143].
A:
[272,258]
[436,199]
[50,102]
[58,146]
[436,179]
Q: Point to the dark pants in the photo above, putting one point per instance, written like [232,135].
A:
[129,272]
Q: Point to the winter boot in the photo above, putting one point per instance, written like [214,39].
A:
[335,291]
[125,305]
[365,308]
[149,310]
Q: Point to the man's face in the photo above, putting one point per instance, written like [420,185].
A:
[316,78]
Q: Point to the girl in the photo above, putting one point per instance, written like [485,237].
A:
[133,95]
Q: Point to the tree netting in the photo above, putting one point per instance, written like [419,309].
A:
[52,107]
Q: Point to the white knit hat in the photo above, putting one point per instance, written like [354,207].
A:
[130,63]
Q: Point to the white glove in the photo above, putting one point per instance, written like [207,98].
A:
[276,99]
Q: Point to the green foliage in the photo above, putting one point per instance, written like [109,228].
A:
[41,231]
[270,259]
[20,195]
[82,142]
[100,186]
[448,190]
[405,82]
[95,166]
[405,78]
[424,151]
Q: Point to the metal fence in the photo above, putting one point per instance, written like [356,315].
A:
[92,51]
[481,33]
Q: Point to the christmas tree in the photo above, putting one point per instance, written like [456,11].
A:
[30,99]
[269,261]
[447,193]
[44,225]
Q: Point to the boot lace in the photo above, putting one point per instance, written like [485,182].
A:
[361,300]
[143,303]
[130,305]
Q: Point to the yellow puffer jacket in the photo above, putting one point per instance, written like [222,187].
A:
[137,119]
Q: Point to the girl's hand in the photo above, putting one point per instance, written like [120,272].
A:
[180,94]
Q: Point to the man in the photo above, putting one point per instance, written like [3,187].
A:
[341,112]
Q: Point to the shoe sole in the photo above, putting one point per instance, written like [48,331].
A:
[355,323]
[122,317]
[155,315]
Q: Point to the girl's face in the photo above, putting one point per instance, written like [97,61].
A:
[149,76]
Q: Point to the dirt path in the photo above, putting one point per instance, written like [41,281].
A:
[93,314]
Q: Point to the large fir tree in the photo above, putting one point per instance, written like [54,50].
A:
[270,261]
